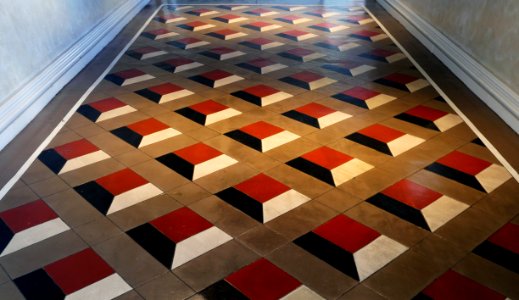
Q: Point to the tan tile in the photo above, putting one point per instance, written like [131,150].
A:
[36,172]
[97,231]
[301,182]
[262,240]
[338,200]
[168,145]
[91,172]
[10,291]
[111,144]
[225,178]
[369,183]
[72,208]
[131,295]
[361,292]
[188,193]
[89,130]
[502,203]
[165,286]
[49,186]
[132,158]
[159,175]
[17,197]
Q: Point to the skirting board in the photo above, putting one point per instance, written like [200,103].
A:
[19,109]
[496,94]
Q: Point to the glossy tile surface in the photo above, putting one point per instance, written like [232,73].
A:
[262,152]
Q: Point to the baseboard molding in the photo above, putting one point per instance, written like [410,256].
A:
[496,94]
[20,108]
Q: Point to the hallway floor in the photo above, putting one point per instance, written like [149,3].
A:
[262,152]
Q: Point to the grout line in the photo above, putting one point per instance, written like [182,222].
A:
[471,125]
[65,119]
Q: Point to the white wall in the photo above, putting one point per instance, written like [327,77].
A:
[44,44]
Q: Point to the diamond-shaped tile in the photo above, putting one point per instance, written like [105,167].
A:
[188,43]
[178,64]
[163,93]
[252,198]
[105,109]
[196,26]
[329,27]
[429,117]
[72,156]
[261,95]
[338,45]
[351,247]
[317,115]
[261,12]
[452,285]
[403,82]
[145,52]
[261,43]
[196,161]
[117,191]
[145,132]
[178,237]
[262,136]
[168,18]
[383,55]
[330,166]
[226,34]
[363,97]
[158,34]
[222,53]
[502,247]
[128,77]
[418,205]
[261,26]
[216,78]
[470,171]
[296,35]
[207,112]
[308,80]
[82,275]
[385,139]
[370,36]
[230,18]
[293,19]
[261,65]
[301,54]
[259,280]
[28,224]
[350,68]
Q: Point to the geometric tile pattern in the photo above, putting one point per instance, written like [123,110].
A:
[471,171]
[145,132]
[259,280]
[83,275]
[28,224]
[261,95]
[429,117]
[417,204]
[502,247]
[403,82]
[164,93]
[207,112]
[178,237]
[363,97]
[261,204]
[350,247]
[105,109]
[316,115]
[262,136]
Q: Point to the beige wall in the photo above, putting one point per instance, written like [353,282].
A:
[34,32]
[488,30]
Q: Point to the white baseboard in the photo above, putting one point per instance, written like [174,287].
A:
[21,108]
[495,93]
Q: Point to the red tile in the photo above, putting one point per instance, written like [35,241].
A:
[188,40]
[208,107]
[452,285]
[148,126]
[326,25]
[261,130]
[261,90]
[27,215]
[507,237]
[366,33]
[259,11]
[78,270]
[198,153]
[158,31]
[121,181]
[260,24]
[195,24]
[179,61]
[145,50]
[300,52]
[260,62]
[127,74]
[262,280]
[222,50]
[306,76]
[400,78]
[464,162]
[181,224]
[412,194]
[382,52]
[426,113]
[290,18]
[295,33]
[315,110]
[216,75]
[229,17]
[382,133]
[165,88]
[260,41]
[225,32]
[262,188]
[107,104]
[76,149]
[361,93]
[347,233]
[327,157]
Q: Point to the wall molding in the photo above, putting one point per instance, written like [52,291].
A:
[494,93]
[20,108]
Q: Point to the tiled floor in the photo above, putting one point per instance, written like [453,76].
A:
[262,152]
